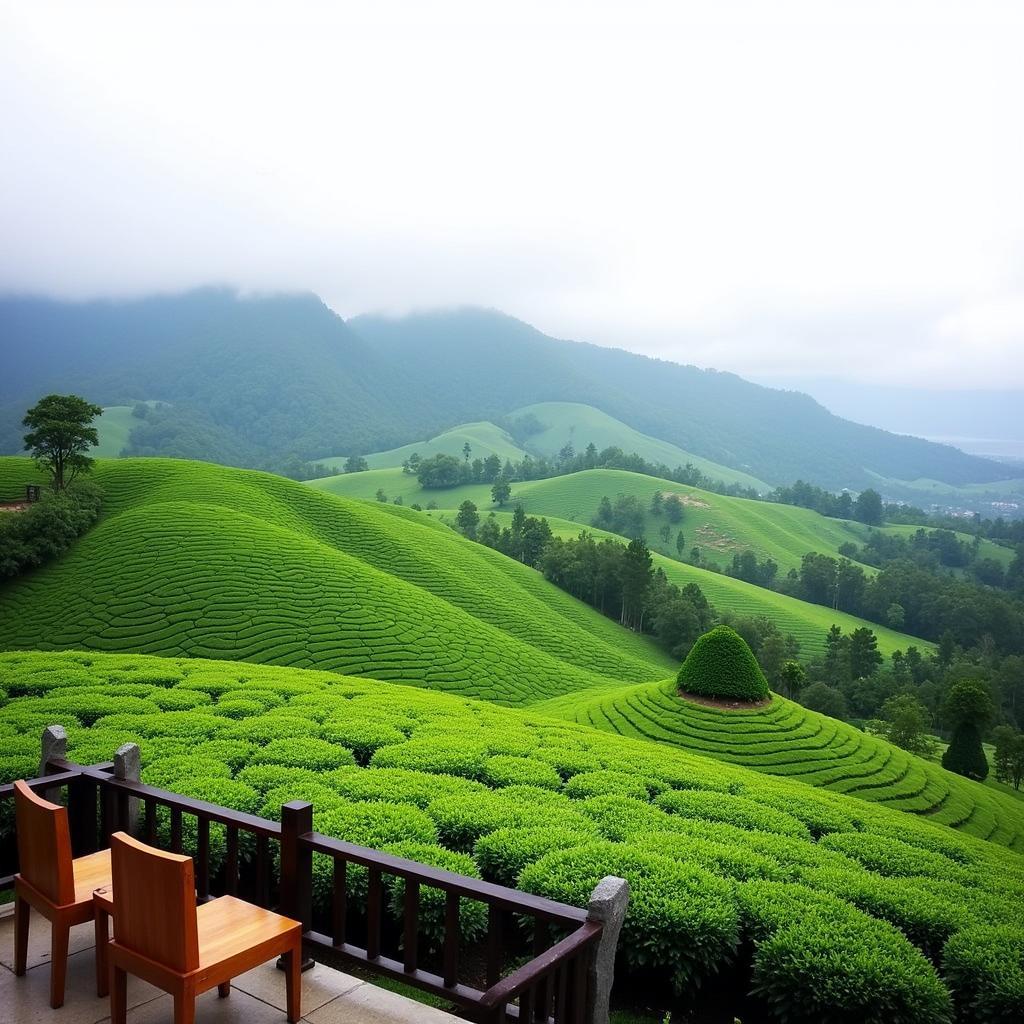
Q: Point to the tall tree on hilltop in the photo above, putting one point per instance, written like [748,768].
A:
[60,433]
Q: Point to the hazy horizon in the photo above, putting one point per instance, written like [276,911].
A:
[794,193]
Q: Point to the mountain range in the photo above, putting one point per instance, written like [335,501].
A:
[268,380]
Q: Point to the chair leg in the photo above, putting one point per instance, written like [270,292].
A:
[293,983]
[184,1008]
[118,996]
[58,961]
[22,913]
[102,951]
[224,989]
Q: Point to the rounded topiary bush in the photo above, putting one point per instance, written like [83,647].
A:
[720,664]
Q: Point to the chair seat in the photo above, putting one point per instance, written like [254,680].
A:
[230,928]
[91,872]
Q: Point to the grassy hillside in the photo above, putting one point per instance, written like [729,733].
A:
[735,875]
[807,622]
[484,438]
[113,426]
[201,560]
[787,739]
[717,524]
[571,422]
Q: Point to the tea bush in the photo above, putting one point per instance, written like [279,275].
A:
[984,968]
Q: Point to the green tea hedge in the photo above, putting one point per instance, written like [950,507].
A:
[731,869]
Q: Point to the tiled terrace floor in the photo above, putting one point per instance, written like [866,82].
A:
[328,996]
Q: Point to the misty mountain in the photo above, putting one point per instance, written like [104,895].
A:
[260,380]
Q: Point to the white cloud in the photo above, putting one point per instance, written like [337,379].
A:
[753,186]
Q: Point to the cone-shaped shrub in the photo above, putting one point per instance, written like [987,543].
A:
[720,664]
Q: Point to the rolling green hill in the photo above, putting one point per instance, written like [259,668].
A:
[113,426]
[807,622]
[733,872]
[720,526]
[715,523]
[571,422]
[484,438]
[196,559]
[787,739]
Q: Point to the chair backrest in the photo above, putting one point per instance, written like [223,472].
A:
[44,845]
[154,903]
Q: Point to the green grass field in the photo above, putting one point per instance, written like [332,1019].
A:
[732,871]
[576,424]
[113,426]
[484,438]
[198,560]
[787,739]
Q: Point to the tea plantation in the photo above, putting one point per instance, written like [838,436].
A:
[836,909]
[199,560]
[786,739]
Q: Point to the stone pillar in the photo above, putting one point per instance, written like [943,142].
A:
[128,765]
[608,903]
[54,745]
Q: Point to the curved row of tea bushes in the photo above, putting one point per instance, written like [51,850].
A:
[836,908]
[197,560]
[786,739]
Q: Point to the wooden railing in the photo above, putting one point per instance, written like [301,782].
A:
[271,864]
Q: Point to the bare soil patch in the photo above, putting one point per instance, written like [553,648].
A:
[723,704]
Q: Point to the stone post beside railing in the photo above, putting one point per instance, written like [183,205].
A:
[54,747]
[128,765]
[608,904]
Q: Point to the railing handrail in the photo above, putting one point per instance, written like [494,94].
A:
[214,812]
[509,987]
[472,888]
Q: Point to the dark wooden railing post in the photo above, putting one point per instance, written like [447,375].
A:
[296,896]
[297,863]
[82,793]
[608,904]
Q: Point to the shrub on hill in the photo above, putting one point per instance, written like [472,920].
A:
[720,664]
[984,967]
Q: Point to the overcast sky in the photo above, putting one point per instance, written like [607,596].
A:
[780,189]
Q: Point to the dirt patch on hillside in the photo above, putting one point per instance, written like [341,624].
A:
[687,499]
[722,704]
[709,537]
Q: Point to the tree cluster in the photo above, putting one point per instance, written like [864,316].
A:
[48,527]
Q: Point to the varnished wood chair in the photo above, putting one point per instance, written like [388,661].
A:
[58,886]
[162,937]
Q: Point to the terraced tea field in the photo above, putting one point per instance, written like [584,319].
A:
[786,739]
[199,560]
[891,919]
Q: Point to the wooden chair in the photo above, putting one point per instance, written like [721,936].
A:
[58,886]
[162,937]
